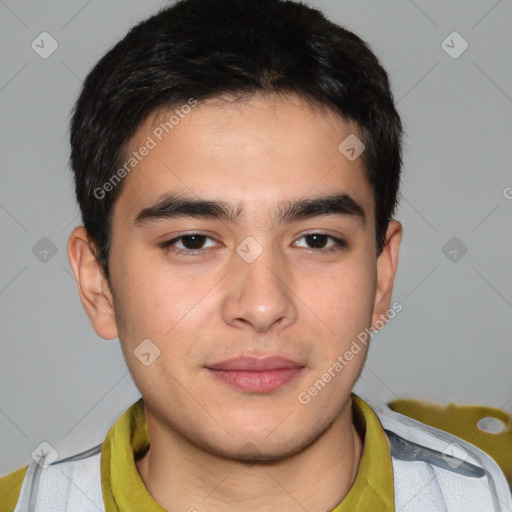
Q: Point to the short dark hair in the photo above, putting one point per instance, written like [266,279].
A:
[209,48]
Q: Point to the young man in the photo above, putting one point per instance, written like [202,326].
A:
[237,165]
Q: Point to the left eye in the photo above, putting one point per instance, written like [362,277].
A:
[319,241]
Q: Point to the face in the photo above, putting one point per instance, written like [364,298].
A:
[253,277]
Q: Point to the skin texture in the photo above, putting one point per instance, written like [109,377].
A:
[237,450]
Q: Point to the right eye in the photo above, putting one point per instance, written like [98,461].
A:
[191,244]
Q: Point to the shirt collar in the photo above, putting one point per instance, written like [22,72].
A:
[372,489]
[123,489]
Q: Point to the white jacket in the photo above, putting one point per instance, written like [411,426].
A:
[433,471]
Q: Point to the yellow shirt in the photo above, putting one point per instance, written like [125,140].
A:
[124,490]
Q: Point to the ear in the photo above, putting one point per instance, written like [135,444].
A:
[93,288]
[387,263]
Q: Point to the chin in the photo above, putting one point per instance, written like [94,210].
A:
[257,452]
[268,442]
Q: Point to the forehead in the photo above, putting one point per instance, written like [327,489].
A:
[253,154]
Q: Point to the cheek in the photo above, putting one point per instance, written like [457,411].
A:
[152,298]
[344,300]
[344,304]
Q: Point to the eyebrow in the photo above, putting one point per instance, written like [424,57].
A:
[174,205]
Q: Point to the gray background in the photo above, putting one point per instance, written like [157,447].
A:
[62,384]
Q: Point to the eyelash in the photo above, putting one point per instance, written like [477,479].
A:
[338,245]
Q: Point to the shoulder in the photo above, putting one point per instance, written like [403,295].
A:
[10,487]
[73,483]
[432,467]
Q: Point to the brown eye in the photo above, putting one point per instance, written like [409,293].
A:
[318,242]
[187,244]
[193,242]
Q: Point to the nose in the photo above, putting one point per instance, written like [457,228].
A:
[260,296]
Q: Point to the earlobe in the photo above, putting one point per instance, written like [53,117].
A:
[93,288]
[387,264]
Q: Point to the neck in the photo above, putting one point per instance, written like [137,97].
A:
[182,476]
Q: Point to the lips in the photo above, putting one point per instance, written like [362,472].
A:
[253,375]
[253,364]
